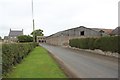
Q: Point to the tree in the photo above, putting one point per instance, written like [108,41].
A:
[37,32]
[0,37]
[25,38]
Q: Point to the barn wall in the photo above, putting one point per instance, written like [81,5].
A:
[63,37]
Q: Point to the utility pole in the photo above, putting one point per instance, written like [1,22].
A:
[33,22]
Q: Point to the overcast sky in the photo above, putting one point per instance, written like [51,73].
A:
[57,15]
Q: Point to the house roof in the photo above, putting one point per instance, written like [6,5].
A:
[108,31]
[14,33]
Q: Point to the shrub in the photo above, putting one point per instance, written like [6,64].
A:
[84,43]
[104,43]
[13,53]
[91,43]
[25,38]
[73,43]
[108,44]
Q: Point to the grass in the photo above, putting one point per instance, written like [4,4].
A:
[38,64]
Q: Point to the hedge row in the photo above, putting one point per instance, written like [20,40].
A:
[13,53]
[25,38]
[104,43]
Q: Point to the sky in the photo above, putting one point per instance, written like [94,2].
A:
[56,15]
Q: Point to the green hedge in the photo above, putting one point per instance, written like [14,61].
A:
[103,43]
[25,38]
[13,53]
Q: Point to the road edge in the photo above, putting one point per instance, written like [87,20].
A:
[66,69]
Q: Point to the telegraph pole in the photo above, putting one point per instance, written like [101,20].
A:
[33,23]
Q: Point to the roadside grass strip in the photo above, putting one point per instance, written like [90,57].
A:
[38,64]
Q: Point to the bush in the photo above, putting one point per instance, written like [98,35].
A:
[12,54]
[84,43]
[104,43]
[25,38]
[91,43]
[108,43]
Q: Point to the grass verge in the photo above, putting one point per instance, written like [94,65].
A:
[38,64]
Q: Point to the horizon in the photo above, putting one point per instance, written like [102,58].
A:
[50,34]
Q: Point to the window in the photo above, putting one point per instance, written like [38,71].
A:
[82,33]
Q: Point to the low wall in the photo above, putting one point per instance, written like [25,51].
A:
[61,40]
[98,51]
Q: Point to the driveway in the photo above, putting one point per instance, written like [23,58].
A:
[86,64]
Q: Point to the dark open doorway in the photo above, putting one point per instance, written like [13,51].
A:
[82,33]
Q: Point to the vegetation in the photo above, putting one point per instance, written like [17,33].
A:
[25,38]
[104,43]
[12,54]
[0,52]
[38,32]
[38,64]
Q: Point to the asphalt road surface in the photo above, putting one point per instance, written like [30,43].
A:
[86,64]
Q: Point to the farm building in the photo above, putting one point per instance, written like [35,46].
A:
[41,39]
[63,37]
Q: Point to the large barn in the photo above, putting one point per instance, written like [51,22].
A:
[63,37]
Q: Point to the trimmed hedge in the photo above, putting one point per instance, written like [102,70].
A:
[104,43]
[25,38]
[13,53]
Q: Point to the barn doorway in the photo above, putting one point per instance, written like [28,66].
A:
[82,33]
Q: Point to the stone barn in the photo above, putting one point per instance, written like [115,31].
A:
[63,37]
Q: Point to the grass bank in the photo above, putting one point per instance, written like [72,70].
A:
[38,64]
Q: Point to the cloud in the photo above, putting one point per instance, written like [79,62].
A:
[56,15]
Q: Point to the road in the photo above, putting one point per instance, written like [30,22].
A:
[86,64]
